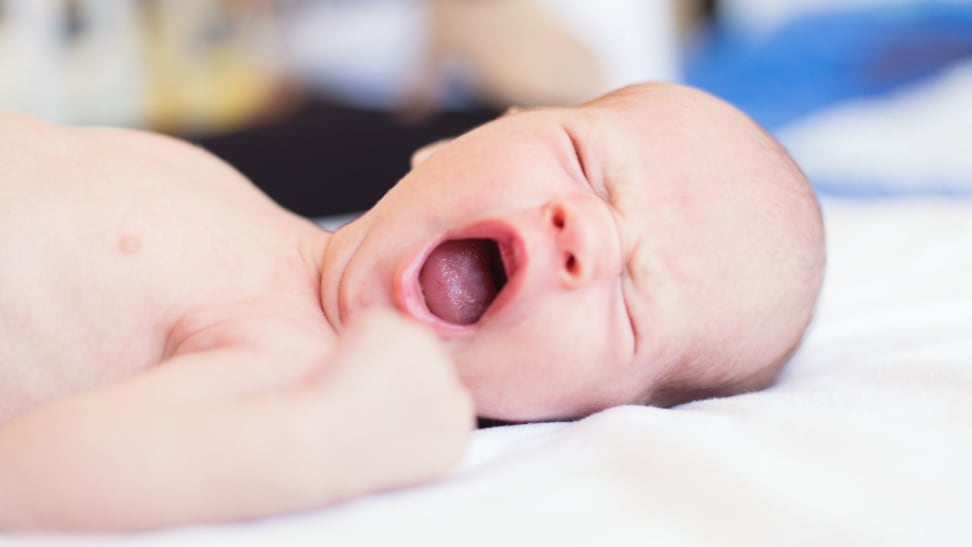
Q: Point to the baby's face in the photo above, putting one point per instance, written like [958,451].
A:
[567,257]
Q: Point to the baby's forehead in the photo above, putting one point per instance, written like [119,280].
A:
[680,137]
[674,112]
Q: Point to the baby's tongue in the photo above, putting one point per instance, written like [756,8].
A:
[457,281]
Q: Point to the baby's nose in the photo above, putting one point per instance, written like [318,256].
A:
[577,242]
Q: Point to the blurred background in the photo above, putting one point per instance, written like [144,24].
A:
[322,102]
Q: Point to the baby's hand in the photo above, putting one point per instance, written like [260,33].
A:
[403,396]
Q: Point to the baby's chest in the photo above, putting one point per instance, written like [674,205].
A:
[92,284]
[102,272]
[70,321]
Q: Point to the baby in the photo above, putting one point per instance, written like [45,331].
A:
[176,348]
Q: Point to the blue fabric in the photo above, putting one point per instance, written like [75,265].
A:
[825,58]
[887,191]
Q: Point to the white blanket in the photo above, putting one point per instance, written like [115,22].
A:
[866,439]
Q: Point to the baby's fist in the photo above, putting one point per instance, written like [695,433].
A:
[403,391]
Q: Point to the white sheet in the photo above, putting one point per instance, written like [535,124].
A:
[866,440]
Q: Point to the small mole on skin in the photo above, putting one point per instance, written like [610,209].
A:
[130,245]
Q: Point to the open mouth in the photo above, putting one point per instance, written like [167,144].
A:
[461,278]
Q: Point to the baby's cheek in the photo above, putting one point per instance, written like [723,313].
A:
[502,380]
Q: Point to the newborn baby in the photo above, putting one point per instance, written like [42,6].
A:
[176,348]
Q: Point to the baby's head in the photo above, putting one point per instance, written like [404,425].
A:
[651,246]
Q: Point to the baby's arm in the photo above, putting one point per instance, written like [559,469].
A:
[176,446]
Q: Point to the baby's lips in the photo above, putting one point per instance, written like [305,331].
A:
[408,294]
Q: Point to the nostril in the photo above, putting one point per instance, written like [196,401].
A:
[557,218]
[571,264]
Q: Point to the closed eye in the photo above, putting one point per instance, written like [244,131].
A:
[579,156]
[631,321]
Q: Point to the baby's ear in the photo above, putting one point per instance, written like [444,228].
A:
[423,153]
